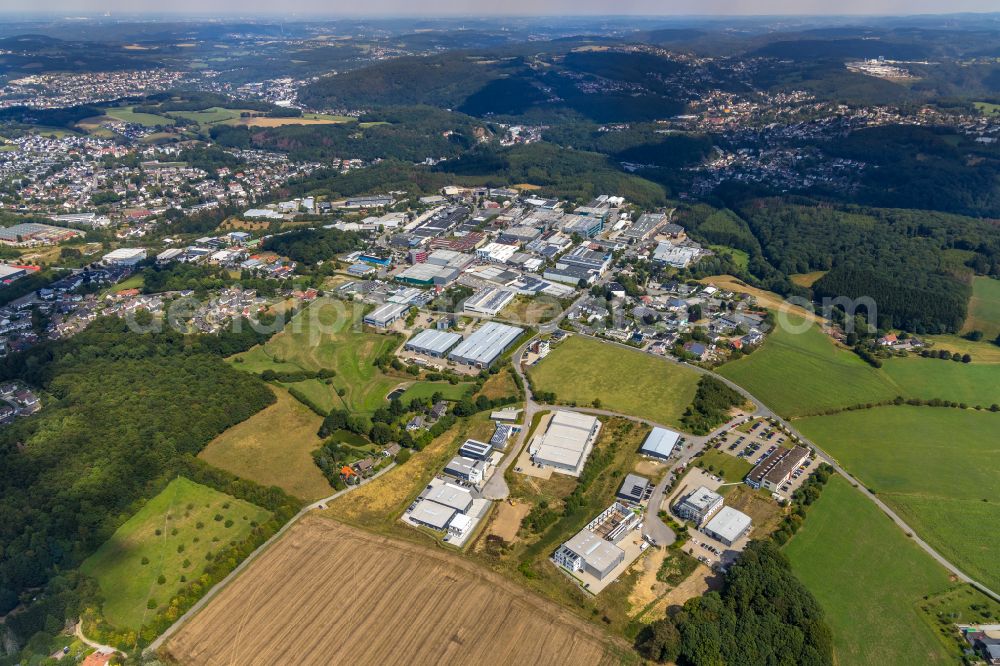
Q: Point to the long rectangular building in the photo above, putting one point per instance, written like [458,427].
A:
[776,468]
[432,342]
[488,301]
[386,315]
[567,442]
[486,344]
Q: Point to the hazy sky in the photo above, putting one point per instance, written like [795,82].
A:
[508,7]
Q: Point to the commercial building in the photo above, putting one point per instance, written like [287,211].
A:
[488,301]
[473,448]
[451,496]
[432,342]
[774,470]
[10,273]
[466,469]
[677,256]
[428,274]
[386,315]
[590,553]
[729,526]
[124,256]
[644,227]
[634,489]
[583,225]
[567,442]
[486,344]
[660,443]
[496,253]
[699,505]
[433,515]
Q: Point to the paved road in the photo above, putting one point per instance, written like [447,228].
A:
[318,504]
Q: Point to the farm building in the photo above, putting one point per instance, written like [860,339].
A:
[776,468]
[386,315]
[729,526]
[634,489]
[488,301]
[466,469]
[567,442]
[432,342]
[475,449]
[486,344]
[660,443]
[699,505]
[452,496]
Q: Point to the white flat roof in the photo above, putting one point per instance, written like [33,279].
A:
[432,514]
[660,442]
[565,439]
[594,550]
[728,523]
[451,496]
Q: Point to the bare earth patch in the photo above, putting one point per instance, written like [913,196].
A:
[508,519]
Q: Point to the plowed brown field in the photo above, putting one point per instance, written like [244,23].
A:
[327,593]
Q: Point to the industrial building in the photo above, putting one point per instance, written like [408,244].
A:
[10,273]
[31,233]
[488,301]
[774,470]
[433,515]
[432,342]
[699,505]
[729,526]
[660,443]
[588,552]
[677,256]
[466,469]
[451,496]
[566,443]
[386,315]
[634,489]
[428,274]
[486,344]
[124,256]
[473,448]
[642,228]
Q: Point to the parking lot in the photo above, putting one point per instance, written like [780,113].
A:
[753,442]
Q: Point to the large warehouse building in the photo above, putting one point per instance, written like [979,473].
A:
[777,468]
[728,526]
[486,344]
[660,443]
[386,315]
[566,443]
[488,301]
[432,342]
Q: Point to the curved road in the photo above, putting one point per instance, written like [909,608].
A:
[761,411]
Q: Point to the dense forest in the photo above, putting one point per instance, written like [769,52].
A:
[763,615]
[121,409]
[309,246]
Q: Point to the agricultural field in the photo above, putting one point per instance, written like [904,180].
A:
[981,352]
[582,370]
[934,466]
[984,307]
[765,299]
[210,116]
[970,383]
[796,374]
[328,335]
[128,115]
[274,448]
[806,279]
[409,603]
[869,579]
[169,536]
[305,119]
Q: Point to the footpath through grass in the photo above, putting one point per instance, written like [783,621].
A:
[869,578]
[582,369]
[170,537]
[936,466]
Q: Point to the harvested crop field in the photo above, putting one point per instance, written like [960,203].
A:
[327,593]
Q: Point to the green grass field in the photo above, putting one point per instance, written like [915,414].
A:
[427,389]
[796,374]
[988,109]
[215,114]
[936,466]
[128,115]
[869,579]
[982,352]
[582,369]
[984,307]
[165,526]
[274,448]
[970,383]
[740,257]
[731,467]
[328,335]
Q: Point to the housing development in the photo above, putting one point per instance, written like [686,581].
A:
[611,339]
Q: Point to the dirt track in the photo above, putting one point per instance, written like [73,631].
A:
[328,593]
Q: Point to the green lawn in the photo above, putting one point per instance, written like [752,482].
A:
[987,109]
[971,383]
[869,578]
[165,524]
[984,307]
[327,334]
[936,466]
[582,369]
[731,467]
[427,389]
[796,374]
[128,115]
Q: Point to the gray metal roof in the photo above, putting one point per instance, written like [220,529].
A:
[433,341]
[486,344]
[660,442]
[432,514]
